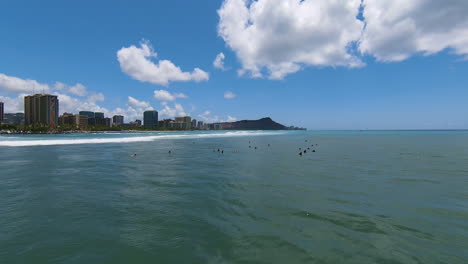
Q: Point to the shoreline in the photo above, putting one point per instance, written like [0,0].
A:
[124,131]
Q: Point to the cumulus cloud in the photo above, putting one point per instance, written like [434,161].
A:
[96,97]
[164,95]
[282,35]
[17,85]
[59,86]
[229,95]
[180,95]
[231,119]
[78,89]
[219,61]
[136,62]
[137,104]
[70,104]
[208,117]
[13,104]
[170,112]
[398,29]
[134,110]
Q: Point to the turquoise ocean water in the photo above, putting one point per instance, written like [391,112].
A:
[362,197]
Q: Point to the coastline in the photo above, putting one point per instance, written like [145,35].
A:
[28,132]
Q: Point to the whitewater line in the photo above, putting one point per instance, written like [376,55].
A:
[52,142]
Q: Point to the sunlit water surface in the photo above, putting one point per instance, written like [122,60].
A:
[362,197]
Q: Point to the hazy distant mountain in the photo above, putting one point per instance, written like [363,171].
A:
[261,124]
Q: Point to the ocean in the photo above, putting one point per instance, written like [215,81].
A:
[361,197]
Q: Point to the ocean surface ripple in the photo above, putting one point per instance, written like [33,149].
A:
[362,197]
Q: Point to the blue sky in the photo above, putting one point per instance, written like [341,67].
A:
[345,74]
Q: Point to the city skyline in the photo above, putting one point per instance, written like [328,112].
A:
[42,110]
[194,61]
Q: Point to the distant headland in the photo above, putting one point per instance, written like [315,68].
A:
[265,123]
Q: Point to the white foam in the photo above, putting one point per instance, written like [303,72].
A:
[51,142]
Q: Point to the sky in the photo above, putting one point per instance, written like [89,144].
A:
[319,64]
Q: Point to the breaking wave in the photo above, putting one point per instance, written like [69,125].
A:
[131,139]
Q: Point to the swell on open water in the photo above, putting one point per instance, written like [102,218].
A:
[361,197]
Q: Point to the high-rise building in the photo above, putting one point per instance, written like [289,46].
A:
[78,121]
[165,122]
[13,119]
[118,120]
[82,121]
[98,115]
[91,117]
[108,121]
[41,109]
[194,123]
[89,114]
[150,118]
[102,121]
[136,123]
[1,112]
[64,119]
[200,125]
[185,120]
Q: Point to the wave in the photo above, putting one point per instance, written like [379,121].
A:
[51,142]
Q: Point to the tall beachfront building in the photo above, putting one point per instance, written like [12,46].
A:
[150,118]
[186,122]
[41,109]
[118,120]
[1,112]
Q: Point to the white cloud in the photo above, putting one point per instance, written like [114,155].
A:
[59,86]
[207,117]
[398,29]
[170,112]
[132,102]
[70,104]
[134,110]
[136,62]
[13,104]
[16,85]
[229,95]
[219,61]
[164,95]
[78,89]
[282,35]
[180,95]
[96,97]
[231,119]
[129,113]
